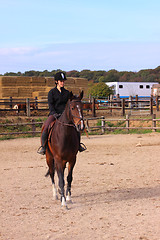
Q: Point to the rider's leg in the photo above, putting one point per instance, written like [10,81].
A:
[44,135]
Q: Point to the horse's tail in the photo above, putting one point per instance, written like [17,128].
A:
[47,173]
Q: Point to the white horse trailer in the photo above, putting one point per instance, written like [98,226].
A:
[126,89]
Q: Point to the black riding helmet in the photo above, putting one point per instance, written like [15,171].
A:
[60,76]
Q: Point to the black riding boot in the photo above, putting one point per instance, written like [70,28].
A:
[82,147]
[42,149]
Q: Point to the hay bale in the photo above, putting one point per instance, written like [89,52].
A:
[9,92]
[50,82]
[23,81]
[70,80]
[38,81]
[43,94]
[25,92]
[38,88]
[8,81]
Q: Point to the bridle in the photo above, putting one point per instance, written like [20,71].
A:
[73,116]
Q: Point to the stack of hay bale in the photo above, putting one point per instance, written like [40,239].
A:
[31,87]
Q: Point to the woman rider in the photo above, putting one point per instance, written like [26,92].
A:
[57,99]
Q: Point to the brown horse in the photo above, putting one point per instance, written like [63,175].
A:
[88,106]
[63,144]
[22,106]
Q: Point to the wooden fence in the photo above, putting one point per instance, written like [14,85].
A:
[104,125]
[123,105]
[127,120]
[33,125]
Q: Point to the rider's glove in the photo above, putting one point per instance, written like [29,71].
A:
[56,115]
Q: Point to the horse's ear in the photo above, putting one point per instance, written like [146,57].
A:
[81,95]
[71,95]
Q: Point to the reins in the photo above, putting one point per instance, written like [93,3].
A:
[66,124]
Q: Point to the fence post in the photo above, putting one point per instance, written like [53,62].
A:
[118,99]
[123,107]
[136,101]
[154,122]
[127,122]
[130,101]
[151,105]
[111,99]
[28,107]
[10,104]
[33,127]
[93,107]
[103,125]
[36,103]
[157,103]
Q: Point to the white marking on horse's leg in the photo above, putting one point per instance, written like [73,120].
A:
[55,196]
[68,198]
[64,204]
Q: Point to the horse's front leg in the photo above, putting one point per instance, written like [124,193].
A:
[60,172]
[69,180]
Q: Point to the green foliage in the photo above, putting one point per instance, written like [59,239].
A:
[148,75]
[100,90]
[99,123]
[109,124]
[87,74]
[112,76]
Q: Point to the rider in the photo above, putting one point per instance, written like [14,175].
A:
[57,99]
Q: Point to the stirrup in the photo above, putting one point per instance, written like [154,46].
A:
[41,150]
[82,147]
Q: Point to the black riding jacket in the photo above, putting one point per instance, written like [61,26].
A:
[57,100]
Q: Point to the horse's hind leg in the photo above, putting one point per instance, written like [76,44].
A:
[51,171]
[69,180]
[55,196]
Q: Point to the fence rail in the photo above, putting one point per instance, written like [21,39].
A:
[127,122]
[33,132]
[89,128]
[122,105]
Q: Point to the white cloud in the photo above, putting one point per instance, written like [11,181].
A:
[93,56]
[17,51]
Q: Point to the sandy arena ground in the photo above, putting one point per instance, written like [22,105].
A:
[115,191]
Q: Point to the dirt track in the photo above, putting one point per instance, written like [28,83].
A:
[115,191]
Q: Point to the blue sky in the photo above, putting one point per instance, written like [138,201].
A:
[76,35]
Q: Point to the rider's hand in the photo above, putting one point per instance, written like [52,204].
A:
[56,115]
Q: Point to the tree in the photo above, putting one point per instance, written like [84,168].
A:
[10,74]
[100,90]
[86,74]
[73,73]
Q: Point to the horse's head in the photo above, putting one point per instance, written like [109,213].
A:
[76,110]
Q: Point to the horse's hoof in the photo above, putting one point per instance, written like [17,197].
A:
[55,198]
[64,207]
[68,199]
[63,202]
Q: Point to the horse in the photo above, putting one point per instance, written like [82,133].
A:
[22,106]
[63,144]
[88,106]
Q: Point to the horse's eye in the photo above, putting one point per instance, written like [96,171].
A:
[72,108]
